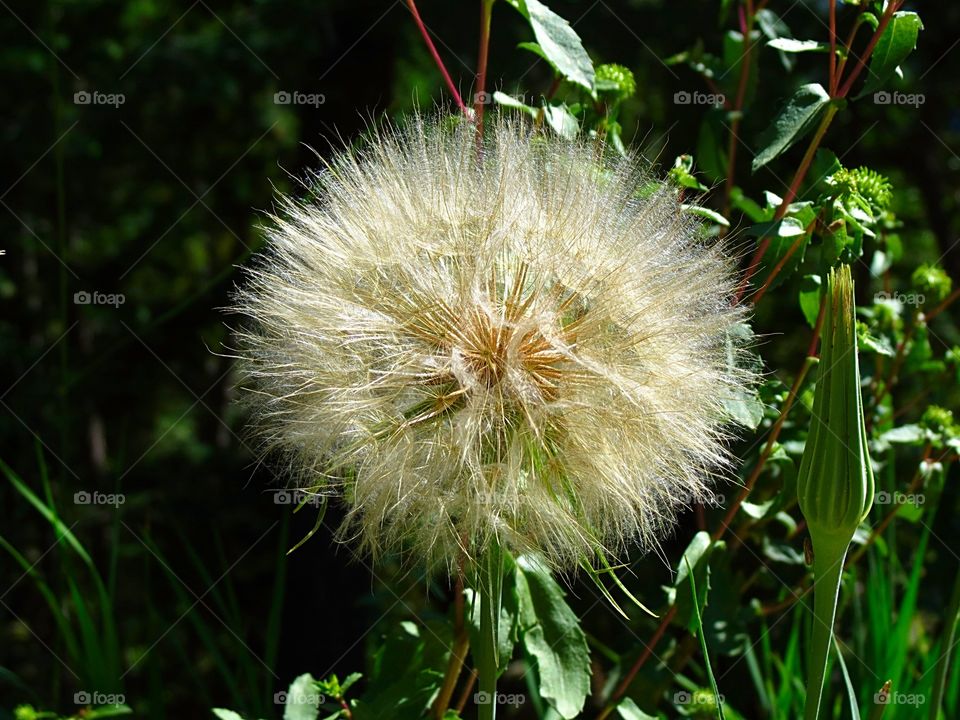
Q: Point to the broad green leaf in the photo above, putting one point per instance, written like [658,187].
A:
[695,557]
[744,407]
[108,711]
[791,45]
[558,43]
[551,634]
[905,434]
[511,102]
[303,699]
[810,298]
[561,121]
[224,714]
[795,120]
[628,710]
[898,40]
[704,212]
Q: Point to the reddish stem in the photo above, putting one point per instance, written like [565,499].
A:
[746,24]
[480,98]
[862,60]
[833,47]
[436,58]
[792,191]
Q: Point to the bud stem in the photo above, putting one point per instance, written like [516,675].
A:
[828,556]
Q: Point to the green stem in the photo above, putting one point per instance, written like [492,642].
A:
[489,586]
[828,556]
[943,663]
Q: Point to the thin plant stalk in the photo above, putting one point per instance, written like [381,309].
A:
[942,670]
[828,571]
[489,592]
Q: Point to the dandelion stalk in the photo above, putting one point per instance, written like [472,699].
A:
[490,584]
[835,482]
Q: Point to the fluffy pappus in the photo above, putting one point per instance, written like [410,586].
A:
[531,344]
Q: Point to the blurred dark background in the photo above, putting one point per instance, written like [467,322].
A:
[151,186]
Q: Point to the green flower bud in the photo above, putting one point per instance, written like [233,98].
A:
[932,282]
[615,82]
[835,482]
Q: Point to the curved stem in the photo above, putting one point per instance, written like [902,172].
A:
[436,58]
[828,555]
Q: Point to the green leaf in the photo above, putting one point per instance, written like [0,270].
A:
[704,212]
[797,46]
[795,120]
[695,557]
[224,714]
[511,102]
[561,121]
[905,435]
[551,634]
[898,40]
[744,407]
[558,42]
[303,699]
[810,298]
[703,638]
[628,710]
[109,711]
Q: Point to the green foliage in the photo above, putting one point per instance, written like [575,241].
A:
[865,184]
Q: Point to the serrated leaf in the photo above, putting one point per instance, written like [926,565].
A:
[558,43]
[551,634]
[898,40]
[696,556]
[796,119]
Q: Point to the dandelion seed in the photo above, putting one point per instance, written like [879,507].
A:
[525,348]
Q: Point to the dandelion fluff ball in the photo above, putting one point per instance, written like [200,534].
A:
[529,345]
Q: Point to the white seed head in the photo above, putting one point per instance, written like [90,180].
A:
[532,346]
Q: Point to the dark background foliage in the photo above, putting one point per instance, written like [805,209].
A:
[159,199]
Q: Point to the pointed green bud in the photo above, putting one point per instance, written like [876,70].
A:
[835,483]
